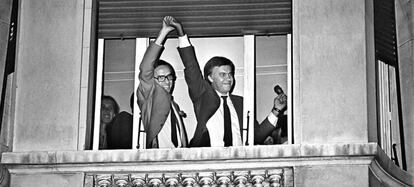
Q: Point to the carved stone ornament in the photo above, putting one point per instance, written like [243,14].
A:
[254,178]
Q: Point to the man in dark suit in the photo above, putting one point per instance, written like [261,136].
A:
[218,112]
[161,117]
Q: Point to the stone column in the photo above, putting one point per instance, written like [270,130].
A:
[51,78]
[334,71]
[51,74]
[334,83]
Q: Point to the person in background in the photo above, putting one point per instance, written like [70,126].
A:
[109,108]
[279,133]
[119,131]
[218,112]
[161,117]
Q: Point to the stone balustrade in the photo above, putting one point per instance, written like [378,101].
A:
[243,178]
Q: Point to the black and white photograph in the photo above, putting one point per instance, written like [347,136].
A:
[207,93]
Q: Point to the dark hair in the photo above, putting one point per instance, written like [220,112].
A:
[217,61]
[116,106]
[162,62]
[131,102]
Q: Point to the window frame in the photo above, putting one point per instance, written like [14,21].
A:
[249,42]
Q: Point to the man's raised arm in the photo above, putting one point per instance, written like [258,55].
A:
[153,53]
[192,70]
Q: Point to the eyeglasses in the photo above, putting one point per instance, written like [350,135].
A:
[162,78]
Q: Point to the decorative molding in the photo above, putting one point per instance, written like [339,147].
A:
[274,178]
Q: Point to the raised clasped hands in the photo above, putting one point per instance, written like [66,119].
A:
[172,22]
[166,26]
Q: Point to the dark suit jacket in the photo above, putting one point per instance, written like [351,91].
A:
[119,131]
[278,133]
[206,101]
[153,101]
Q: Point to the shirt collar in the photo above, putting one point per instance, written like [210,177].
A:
[220,94]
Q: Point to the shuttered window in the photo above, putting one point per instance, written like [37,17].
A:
[142,18]
[385,31]
[391,124]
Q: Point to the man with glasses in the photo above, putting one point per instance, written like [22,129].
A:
[161,116]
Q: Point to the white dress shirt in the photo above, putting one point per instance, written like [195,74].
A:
[164,137]
[215,125]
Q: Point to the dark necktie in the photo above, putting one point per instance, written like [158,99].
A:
[173,128]
[228,139]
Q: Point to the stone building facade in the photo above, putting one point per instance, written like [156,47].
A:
[47,113]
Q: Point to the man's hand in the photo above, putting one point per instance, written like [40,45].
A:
[165,30]
[268,141]
[166,27]
[171,21]
[280,102]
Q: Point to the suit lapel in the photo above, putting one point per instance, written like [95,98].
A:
[159,112]
[238,105]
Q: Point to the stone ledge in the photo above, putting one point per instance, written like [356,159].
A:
[191,154]
[383,166]
[195,160]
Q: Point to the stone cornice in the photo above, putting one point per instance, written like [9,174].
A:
[191,154]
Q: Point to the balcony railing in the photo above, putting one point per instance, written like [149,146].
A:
[242,178]
[258,166]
